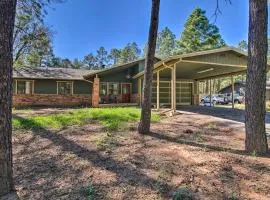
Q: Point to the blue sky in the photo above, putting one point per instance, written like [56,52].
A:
[82,26]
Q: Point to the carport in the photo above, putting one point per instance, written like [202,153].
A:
[176,79]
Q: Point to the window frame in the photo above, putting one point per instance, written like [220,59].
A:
[119,88]
[72,88]
[25,80]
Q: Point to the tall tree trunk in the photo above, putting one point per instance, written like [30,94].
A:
[7,15]
[256,140]
[144,125]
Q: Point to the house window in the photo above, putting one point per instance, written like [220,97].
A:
[109,92]
[24,87]
[65,88]
[113,88]
[103,89]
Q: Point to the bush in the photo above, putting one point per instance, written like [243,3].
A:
[182,193]
[90,191]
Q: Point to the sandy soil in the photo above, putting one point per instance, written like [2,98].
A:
[203,153]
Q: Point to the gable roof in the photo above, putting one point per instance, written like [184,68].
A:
[114,67]
[179,58]
[50,73]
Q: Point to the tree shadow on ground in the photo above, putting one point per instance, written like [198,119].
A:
[124,172]
[201,145]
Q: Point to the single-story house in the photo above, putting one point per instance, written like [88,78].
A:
[175,80]
[51,87]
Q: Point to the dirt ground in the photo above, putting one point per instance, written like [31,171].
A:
[203,153]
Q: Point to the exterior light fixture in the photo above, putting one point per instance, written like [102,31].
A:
[128,76]
[206,70]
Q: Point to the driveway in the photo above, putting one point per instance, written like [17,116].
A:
[236,115]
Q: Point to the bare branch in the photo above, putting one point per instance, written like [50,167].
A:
[218,10]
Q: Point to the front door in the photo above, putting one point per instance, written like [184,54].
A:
[126,92]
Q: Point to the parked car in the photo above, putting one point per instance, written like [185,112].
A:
[238,98]
[215,99]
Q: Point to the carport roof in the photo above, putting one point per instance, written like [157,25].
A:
[205,64]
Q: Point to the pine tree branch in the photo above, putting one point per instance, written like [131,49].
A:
[218,10]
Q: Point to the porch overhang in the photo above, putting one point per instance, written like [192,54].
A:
[203,65]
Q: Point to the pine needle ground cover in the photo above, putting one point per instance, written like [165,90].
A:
[189,155]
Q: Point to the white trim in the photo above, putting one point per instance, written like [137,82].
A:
[72,83]
[25,80]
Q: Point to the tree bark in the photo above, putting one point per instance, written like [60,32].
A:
[7,15]
[256,140]
[144,125]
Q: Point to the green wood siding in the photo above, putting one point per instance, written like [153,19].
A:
[82,87]
[120,76]
[134,86]
[47,86]
[229,58]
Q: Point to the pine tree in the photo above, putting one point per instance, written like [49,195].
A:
[243,45]
[165,43]
[130,53]
[102,57]
[7,18]
[199,34]
[144,125]
[256,140]
[115,55]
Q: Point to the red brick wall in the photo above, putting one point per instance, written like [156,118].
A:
[21,100]
[95,92]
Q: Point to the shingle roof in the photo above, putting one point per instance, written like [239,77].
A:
[51,73]
[117,66]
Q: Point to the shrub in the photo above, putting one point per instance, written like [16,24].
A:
[183,193]
[90,191]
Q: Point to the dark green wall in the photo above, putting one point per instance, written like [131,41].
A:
[47,86]
[120,76]
[135,86]
[82,87]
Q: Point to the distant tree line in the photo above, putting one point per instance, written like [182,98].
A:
[101,59]
[33,41]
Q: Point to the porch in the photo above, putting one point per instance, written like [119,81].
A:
[176,79]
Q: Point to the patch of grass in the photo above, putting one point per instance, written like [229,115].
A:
[211,126]
[90,192]
[111,118]
[183,193]
[106,142]
[198,137]
[165,171]
[233,196]
[254,153]
[162,188]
